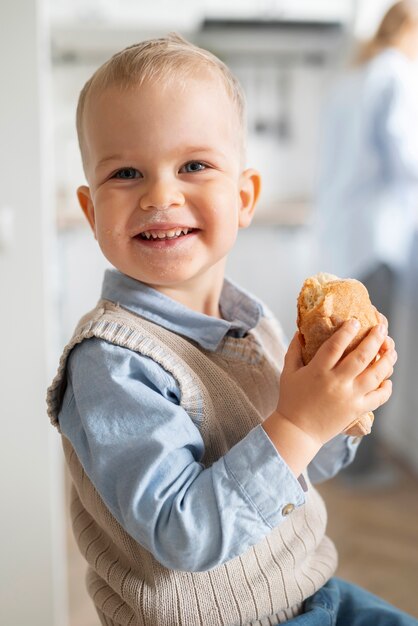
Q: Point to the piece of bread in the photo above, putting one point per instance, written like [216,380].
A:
[325,302]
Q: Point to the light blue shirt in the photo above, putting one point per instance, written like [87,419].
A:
[367,196]
[143,453]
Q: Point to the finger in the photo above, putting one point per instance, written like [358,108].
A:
[293,358]
[382,318]
[387,345]
[367,350]
[379,396]
[333,348]
[377,372]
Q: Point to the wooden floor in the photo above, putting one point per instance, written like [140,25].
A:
[376,533]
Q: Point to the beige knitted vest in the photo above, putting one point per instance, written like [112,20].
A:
[227,393]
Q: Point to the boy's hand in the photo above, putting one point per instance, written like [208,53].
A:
[325,396]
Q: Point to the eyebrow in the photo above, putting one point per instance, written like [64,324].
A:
[199,149]
[114,157]
[210,150]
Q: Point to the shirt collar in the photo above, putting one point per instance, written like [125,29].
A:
[240,311]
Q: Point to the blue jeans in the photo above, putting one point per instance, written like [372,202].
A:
[339,603]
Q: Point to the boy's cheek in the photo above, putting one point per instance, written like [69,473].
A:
[108,235]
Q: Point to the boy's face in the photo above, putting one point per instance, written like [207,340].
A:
[166,192]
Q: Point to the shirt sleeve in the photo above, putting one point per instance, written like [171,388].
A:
[143,453]
[396,128]
[332,457]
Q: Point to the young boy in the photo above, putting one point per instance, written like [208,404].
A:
[192,500]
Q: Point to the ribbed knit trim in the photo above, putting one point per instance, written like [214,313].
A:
[118,333]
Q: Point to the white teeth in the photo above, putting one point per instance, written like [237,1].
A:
[165,234]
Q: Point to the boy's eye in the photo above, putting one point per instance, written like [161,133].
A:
[127,173]
[193,166]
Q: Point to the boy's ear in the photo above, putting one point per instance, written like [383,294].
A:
[87,206]
[250,186]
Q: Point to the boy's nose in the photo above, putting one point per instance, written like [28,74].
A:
[161,195]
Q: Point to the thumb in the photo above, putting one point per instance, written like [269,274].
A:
[293,359]
[334,347]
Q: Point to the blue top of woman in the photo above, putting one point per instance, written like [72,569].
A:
[367,195]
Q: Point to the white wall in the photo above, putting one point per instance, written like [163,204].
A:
[368,16]
[272,262]
[32,564]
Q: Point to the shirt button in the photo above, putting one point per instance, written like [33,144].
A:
[288,508]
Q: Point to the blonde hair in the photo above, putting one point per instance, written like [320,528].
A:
[398,17]
[168,58]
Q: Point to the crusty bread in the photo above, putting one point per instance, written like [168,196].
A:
[324,303]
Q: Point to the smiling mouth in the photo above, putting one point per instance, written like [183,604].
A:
[161,235]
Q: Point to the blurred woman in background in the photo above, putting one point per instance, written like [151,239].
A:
[367,198]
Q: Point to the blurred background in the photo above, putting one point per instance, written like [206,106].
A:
[288,55]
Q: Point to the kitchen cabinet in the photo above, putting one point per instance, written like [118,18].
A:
[188,14]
